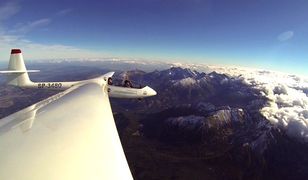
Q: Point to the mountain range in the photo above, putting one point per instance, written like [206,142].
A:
[208,125]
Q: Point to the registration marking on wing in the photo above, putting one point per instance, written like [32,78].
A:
[49,85]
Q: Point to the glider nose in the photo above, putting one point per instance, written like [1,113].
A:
[149,91]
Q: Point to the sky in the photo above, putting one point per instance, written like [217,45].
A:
[267,34]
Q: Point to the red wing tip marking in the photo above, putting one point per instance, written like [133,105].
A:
[15,51]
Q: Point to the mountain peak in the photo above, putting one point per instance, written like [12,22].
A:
[176,73]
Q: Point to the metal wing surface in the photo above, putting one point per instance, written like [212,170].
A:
[71,135]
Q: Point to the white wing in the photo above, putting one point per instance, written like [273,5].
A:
[71,135]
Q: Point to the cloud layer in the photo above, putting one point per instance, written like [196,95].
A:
[288,102]
[8,9]
[285,36]
[24,28]
[16,37]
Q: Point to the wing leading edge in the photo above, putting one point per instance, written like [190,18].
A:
[71,135]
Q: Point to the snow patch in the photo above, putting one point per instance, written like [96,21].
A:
[186,82]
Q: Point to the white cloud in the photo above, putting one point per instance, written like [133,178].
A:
[16,38]
[64,12]
[30,26]
[32,50]
[288,101]
[8,9]
[285,36]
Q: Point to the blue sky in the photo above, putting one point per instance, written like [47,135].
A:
[270,34]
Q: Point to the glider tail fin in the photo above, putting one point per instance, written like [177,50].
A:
[17,73]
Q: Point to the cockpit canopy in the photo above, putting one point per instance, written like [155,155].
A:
[124,83]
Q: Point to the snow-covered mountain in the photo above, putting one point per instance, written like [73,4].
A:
[287,104]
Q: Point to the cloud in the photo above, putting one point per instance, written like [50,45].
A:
[33,50]
[287,94]
[17,38]
[64,12]
[30,26]
[8,9]
[285,36]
